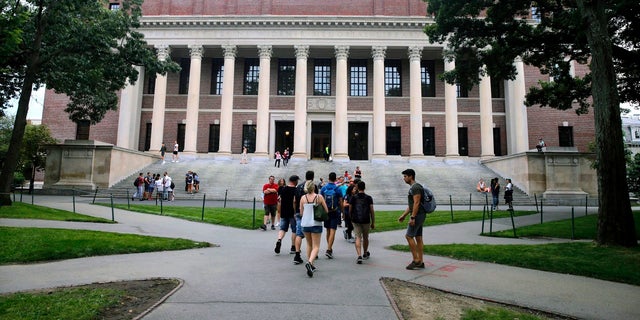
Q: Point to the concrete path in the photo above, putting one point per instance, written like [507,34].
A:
[242,278]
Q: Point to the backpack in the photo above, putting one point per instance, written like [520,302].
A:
[173,185]
[359,210]
[331,196]
[428,201]
[136,182]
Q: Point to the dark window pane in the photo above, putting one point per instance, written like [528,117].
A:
[286,77]
[565,135]
[251,74]
[427,77]
[217,76]
[249,137]
[185,64]
[394,140]
[358,78]
[392,79]
[322,77]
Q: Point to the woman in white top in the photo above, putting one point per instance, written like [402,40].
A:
[312,234]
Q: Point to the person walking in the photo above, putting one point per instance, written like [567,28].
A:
[166,186]
[363,219]
[285,157]
[243,158]
[286,211]
[278,158]
[139,187]
[508,194]
[300,191]
[270,191]
[312,233]
[348,232]
[175,157]
[416,220]
[333,198]
[163,151]
[495,193]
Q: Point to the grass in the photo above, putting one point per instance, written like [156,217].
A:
[497,314]
[19,210]
[70,303]
[243,218]
[28,245]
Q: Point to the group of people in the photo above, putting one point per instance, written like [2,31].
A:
[282,157]
[191,182]
[174,155]
[494,189]
[290,206]
[146,185]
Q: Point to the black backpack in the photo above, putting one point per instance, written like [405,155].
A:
[136,182]
[359,209]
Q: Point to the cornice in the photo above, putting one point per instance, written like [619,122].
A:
[384,22]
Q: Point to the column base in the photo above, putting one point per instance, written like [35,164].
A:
[379,158]
[487,156]
[342,157]
[453,159]
[260,157]
[223,155]
[299,156]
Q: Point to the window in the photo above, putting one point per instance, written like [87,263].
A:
[82,130]
[114,6]
[286,77]
[249,137]
[497,88]
[322,77]
[214,137]
[429,141]
[180,134]
[535,14]
[251,74]
[427,78]
[392,80]
[217,76]
[461,91]
[147,137]
[183,87]
[151,83]
[358,78]
[565,135]
[394,140]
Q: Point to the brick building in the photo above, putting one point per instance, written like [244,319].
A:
[357,75]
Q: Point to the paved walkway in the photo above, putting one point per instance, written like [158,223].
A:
[242,278]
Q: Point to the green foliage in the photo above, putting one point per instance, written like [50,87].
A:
[33,155]
[27,245]
[28,211]
[633,174]
[496,314]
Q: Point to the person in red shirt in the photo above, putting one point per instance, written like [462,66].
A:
[270,191]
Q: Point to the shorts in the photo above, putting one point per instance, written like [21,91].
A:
[299,232]
[270,209]
[175,152]
[314,229]
[361,229]
[416,229]
[285,223]
[334,220]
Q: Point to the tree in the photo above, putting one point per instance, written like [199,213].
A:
[633,174]
[33,156]
[485,37]
[75,47]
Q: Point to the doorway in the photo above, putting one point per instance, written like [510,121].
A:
[463,142]
[428,141]
[358,140]
[284,136]
[320,138]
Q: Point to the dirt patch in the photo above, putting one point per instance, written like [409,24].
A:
[414,301]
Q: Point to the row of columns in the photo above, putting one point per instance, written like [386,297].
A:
[516,114]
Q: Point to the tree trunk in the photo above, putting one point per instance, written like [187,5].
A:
[615,219]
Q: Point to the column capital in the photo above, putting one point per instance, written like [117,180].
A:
[378,52]
[415,53]
[302,52]
[230,51]
[196,51]
[342,52]
[163,51]
[265,51]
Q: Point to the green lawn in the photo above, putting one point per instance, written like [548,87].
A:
[19,210]
[28,245]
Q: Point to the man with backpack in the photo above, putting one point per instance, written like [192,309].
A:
[418,215]
[139,184]
[363,219]
[333,198]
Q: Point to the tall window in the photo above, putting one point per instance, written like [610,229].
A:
[394,140]
[151,83]
[427,78]
[286,77]
[185,64]
[82,129]
[322,77]
[249,137]
[251,73]
[392,79]
[496,88]
[147,137]
[358,77]
[217,76]
[214,137]
[565,135]
[114,6]
[535,14]
[461,91]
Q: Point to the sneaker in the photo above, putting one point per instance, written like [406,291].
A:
[297,259]
[263,227]
[352,240]
[412,266]
[366,255]
[329,254]
[277,224]
[309,269]
[344,233]
[277,249]
[420,265]
[359,260]
[273,227]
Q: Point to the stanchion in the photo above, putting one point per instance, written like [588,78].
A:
[21,191]
[94,196]
[586,204]
[225,199]
[161,201]
[535,198]
[541,212]
[573,226]
[491,220]
[74,200]
[204,199]
[469,201]
[32,193]
[113,218]
[128,202]
[513,224]
[254,211]
[484,210]
[451,207]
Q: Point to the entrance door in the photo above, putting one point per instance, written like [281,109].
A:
[320,138]
[429,141]
[463,142]
[284,136]
[497,150]
[181,130]
[358,140]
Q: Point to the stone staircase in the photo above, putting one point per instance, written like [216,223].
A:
[448,179]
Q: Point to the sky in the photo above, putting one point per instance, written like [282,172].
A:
[35,105]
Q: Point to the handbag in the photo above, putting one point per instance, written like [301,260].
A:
[307,216]
[319,213]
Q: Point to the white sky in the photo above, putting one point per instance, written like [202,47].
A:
[35,105]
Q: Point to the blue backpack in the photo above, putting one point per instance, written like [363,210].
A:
[331,196]
[428,200]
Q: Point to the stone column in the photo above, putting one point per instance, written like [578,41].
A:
[451,113]
[516,112]
[262,118]
[486,118]
[341,132]
[159,101]
[193,100]
[379,124]
[226,105]
[300,124]
[415,101]
[129,114]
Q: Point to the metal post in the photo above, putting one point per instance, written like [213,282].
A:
[74,200]
[161,201]
[541,212]
[491,220]
[535,198]
[254,211]
[451,207]
[573,226]
[32,193]
[586,204]
[21,191]
[484,210]
[513,224]
[469,201]
[204,199]
[94,196]
[225,199]
[112,214]
[128,203]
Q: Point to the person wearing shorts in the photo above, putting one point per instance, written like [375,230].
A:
[416,221]
[270,191]
[363,220]
[287,210]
